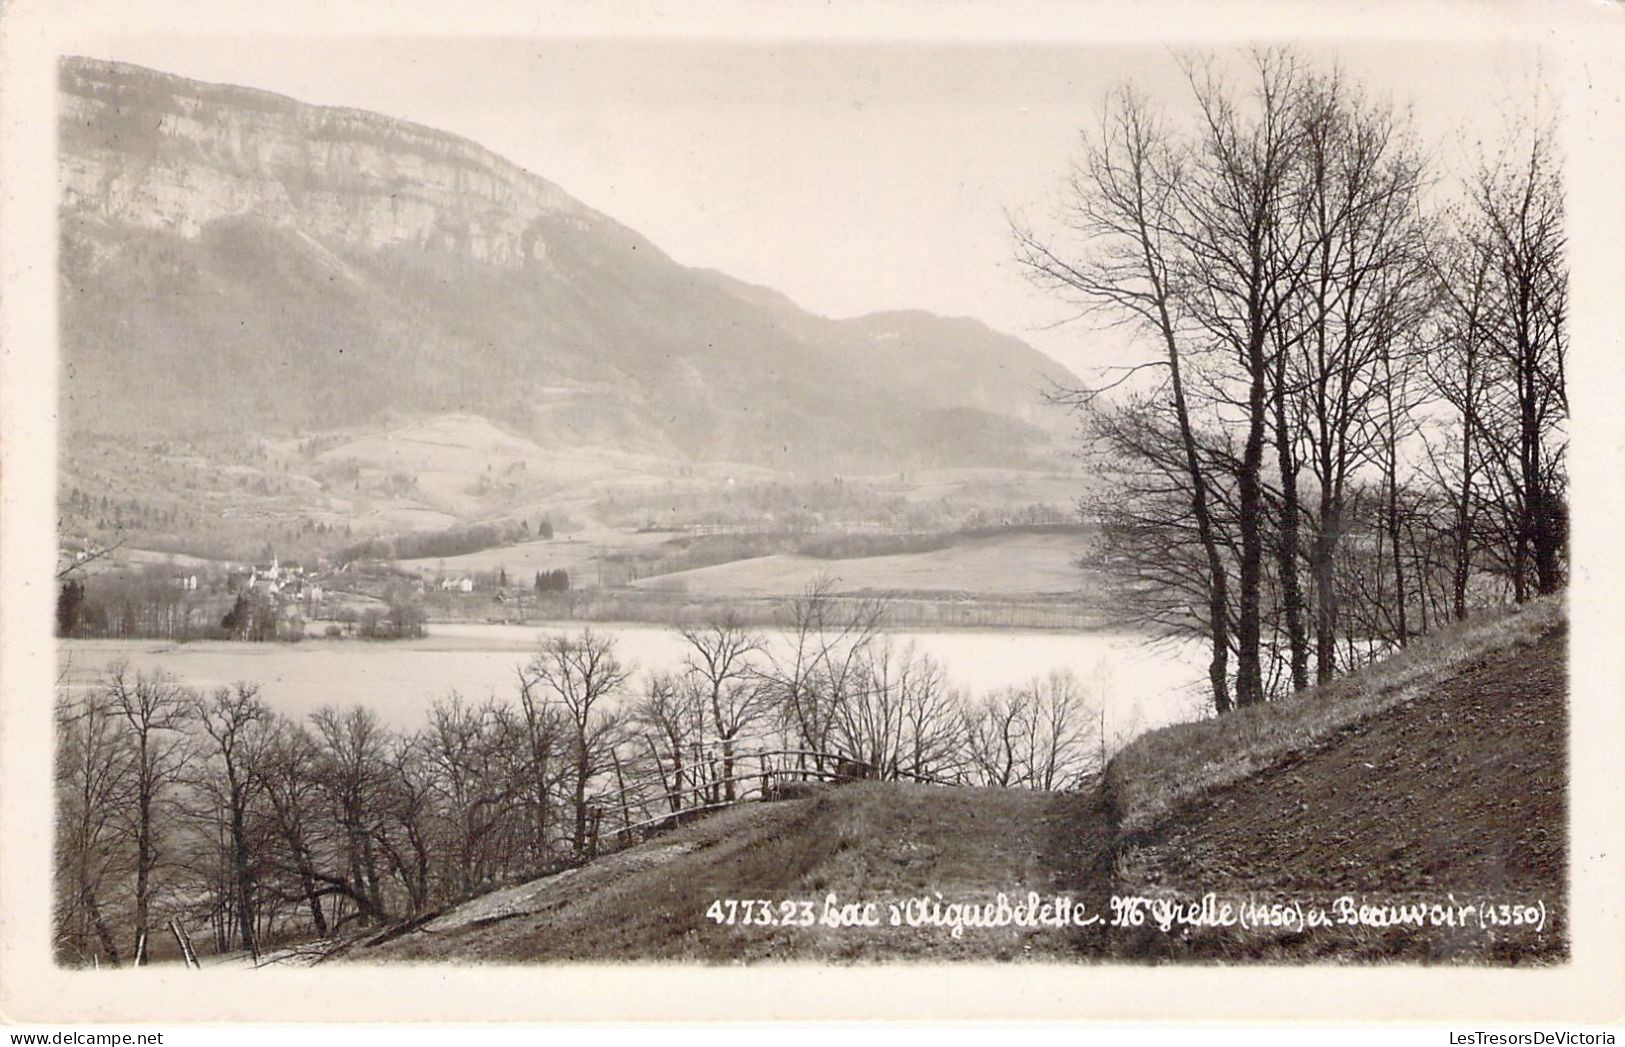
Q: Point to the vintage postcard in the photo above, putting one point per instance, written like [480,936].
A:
[834,511]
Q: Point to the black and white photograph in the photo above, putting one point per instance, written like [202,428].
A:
[551,499]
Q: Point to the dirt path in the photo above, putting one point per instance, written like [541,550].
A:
[868,843]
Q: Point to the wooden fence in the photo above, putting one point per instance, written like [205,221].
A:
[712,778]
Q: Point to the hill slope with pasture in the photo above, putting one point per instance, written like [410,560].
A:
[1439,772]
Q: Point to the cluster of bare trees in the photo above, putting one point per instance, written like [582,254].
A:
[1353,425]
[830,681]
[214,810]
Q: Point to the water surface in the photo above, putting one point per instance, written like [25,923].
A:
[1143,686]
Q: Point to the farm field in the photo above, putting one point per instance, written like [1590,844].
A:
[576,552]
[1016,564]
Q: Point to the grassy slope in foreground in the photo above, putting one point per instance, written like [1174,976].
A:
[1438,773]
[1441,770]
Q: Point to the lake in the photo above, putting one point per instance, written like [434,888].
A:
[1144,687]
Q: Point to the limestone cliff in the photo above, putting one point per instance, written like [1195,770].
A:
[167,153]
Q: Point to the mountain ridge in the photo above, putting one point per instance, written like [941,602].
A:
[276,266]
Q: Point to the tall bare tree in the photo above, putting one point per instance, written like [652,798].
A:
[1120,205]
[1517,227]
[238,726]
[818,664]
[352,775]
[92,780]
[155,711]
[1362,181]
[1458,374]
[580,672]
[670,720]
[544,733]
[293,790]
[472,783]
[407,823]
[1245,262]
[721,661]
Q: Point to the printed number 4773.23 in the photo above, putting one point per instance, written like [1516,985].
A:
[758,912]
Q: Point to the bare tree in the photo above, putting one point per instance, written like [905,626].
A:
[293,789]
[544,733]
[1457,374]
[1063,723]
[238,726]
[1393,424]
[933,738]
[869,724]
[579,672]
[1245,263]
[155,711]
[670,721]
[1200,245]
[92,779]
[1040,735]
[721,662]
[1362,178]
[352,775]
[1517,228]
[994,731]
[407,821]
[471,783]
[818,664]
[1121,204]
[1277,253]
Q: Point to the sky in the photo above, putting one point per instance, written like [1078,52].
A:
[853,176]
